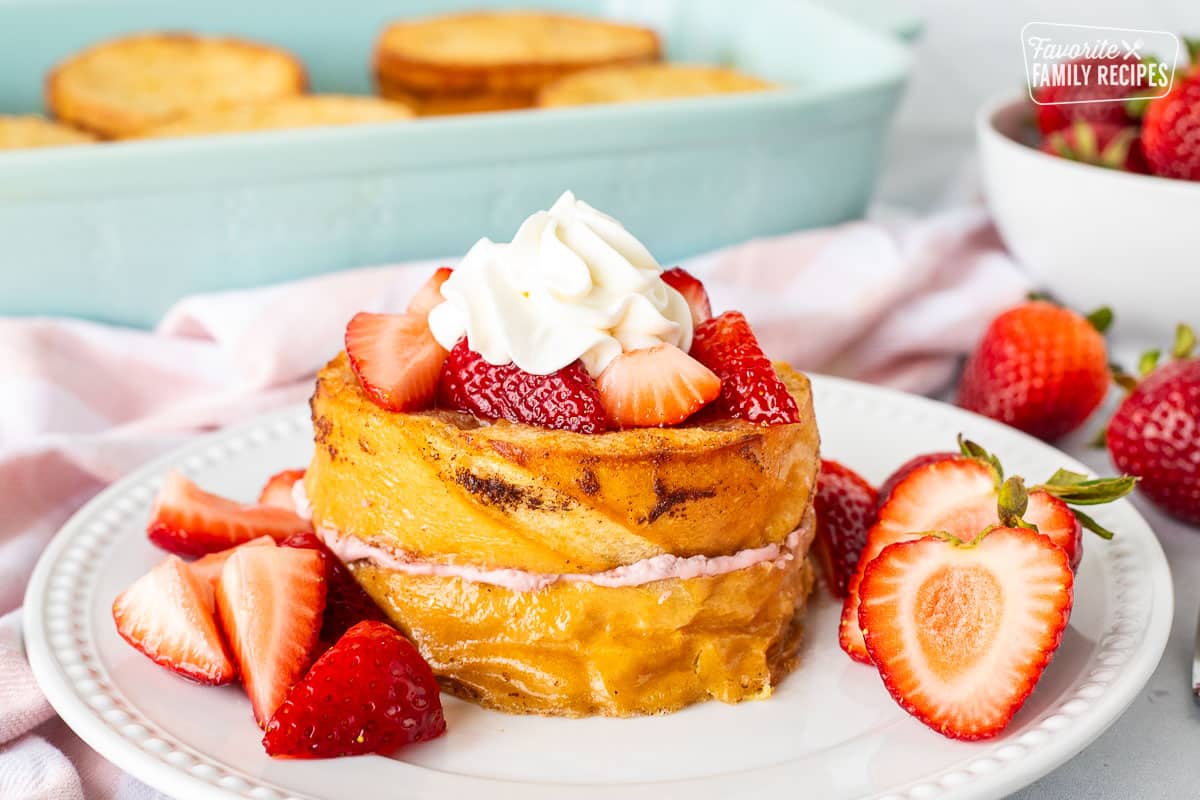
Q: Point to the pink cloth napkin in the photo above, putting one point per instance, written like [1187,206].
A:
[81,404]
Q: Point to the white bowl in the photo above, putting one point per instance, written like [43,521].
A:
[1093,236]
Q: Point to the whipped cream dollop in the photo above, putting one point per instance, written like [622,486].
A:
[572,284]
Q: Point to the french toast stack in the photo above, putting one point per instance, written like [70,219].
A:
[493,61]
[548,572]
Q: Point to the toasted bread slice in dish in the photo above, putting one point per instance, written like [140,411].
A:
[509,52]
[304,111]
[121,86]
[19,132]
[636,83]
[444,486]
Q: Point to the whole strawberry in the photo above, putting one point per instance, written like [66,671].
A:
[369,693]
[1171,130]
[1041,368]
[1155,433]
[845,507]
[1079,102]
[1101,144]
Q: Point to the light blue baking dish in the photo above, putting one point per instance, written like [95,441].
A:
[119,231]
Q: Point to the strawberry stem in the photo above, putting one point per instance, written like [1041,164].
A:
[1122,378]
[1012,500]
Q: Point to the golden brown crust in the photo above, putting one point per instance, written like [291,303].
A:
[503,51]
[579,649]
[19,132]
[444,487]
[645,82]
[436,104]
[118,87]
[304,111]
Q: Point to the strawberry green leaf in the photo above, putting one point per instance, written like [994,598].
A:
[974,450]
[1064,477]
[1148,362]
[1101,318]
[1185,342]
[1091,524]
[1091,492]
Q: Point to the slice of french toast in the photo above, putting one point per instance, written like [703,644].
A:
[578,649]
[445,487]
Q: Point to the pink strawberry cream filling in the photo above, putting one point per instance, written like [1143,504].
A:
[656,568]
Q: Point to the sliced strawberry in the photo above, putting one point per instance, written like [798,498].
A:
[693,292]
[396,359]
[167,614]
[565,400]
[957,495]
[429,295]
[902,471]
[962,633]
[278,490]
[270,601]
[750,388]
[346,604]
[192,522]
[845,506]
[208,568]
[369,693]
[657,386]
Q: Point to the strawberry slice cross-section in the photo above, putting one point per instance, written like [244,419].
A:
[270,601]
[167,614]
[961,633]
[190,521]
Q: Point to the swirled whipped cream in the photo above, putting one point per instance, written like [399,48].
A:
[572,284]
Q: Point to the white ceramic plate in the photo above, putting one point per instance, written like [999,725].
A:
[830,731]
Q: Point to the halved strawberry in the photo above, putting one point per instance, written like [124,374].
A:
[192,522]
[396,359]
[901,472]
[208,568]
[369,693]
[167,614]
[277,491]
[957,495]
[430,294]
[750,387]
[963,495]
[693,292]
[961,633]
[270,601]
[657,386]
[346,603]
[845,506]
